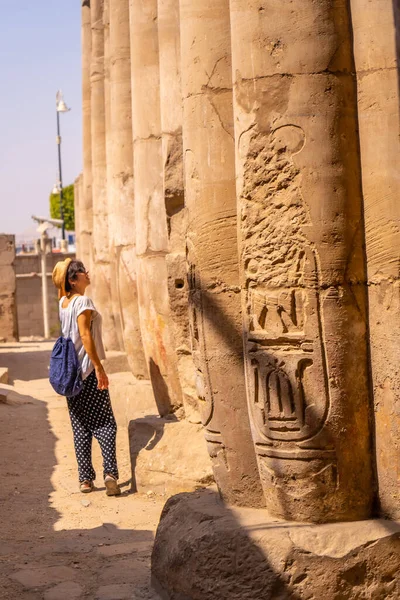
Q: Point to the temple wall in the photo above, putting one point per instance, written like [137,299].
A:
[8,300]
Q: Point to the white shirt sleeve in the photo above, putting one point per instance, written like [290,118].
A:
[84,303]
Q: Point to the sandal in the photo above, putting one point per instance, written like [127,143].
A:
[112,487]
[86,486]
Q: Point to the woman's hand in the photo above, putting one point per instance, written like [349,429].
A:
[102,379]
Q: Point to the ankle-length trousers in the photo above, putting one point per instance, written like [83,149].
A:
[92,416]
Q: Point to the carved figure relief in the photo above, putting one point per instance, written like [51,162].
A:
[286,360]
[213,436]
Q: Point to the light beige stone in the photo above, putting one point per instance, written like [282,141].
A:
[101,275]
[212,247]
[86,205]
[174,195]
[78,197]
[247,555]
[168,457]
[3,375]
[301,256]
[8,303]
[112,201]
[377,64]
[120,188]
[152,234]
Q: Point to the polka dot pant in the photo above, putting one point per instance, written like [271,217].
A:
[92,416]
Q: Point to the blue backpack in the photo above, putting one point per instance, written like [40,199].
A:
[65,369]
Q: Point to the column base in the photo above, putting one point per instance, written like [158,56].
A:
[204,549]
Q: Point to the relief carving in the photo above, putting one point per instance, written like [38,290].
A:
[286,359]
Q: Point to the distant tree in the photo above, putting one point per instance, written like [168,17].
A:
[68,206]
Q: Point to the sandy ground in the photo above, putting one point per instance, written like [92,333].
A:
[56,543]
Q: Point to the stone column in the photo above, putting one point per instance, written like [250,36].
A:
[78,189]
[174,195]
[101,259]
[301,254]
[152,234]
[120,187]
[377,66]
[212,247]
[110,138]
[85,207]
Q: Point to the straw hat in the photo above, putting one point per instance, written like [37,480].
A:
[59,276]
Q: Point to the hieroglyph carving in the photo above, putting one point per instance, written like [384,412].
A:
[286,355]
[213,436]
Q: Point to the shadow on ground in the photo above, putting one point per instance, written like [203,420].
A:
[37,561]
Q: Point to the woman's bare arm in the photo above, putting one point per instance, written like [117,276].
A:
[84,321]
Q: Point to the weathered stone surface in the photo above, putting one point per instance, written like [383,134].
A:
[64,591]
[152,234]
[204,549]
[116,591]
[212,255]
[301,255]
[86,205]
[131,398]
[174,195]
[167,456]
[3,375]
[101,275]
[8,305]
[376,52]
[122,226]
[32,578]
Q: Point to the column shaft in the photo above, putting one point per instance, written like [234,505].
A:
[85,207]
[377,65]
[101,260]
[120,187]
[151,234]
[301,254]
[212,247]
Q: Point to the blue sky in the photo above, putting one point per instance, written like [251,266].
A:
[39,53]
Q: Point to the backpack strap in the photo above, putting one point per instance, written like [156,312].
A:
[71,315]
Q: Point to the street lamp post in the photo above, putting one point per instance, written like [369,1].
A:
[61,107]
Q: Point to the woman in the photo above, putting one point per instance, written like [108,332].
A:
[90,411]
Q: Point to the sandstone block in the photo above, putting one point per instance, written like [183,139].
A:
[204,549]
[168,456]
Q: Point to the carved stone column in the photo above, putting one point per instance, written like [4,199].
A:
[301,249]
[101,259]
[377,65]
[85,207]
[212,247]
[174,195]
[152,234]
[120,186]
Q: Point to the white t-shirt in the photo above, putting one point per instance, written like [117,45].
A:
[69,328]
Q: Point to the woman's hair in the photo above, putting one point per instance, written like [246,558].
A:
[75,267]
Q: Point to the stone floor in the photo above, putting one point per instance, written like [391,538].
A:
[58,544]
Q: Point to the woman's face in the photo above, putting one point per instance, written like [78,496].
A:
[83,276]
[82,279]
